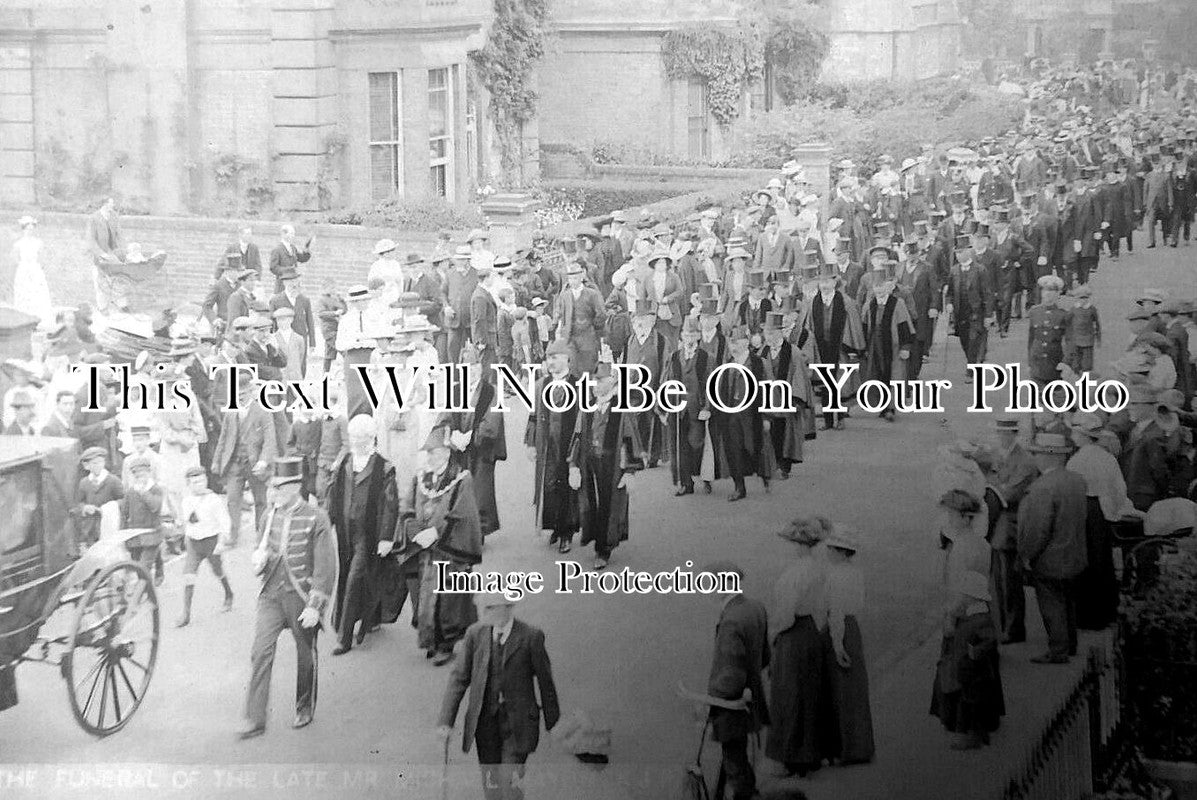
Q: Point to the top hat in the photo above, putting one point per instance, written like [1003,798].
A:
[774,320]
[968,227]
[288,469]
[963,241]
[1005,425]
[1001,214]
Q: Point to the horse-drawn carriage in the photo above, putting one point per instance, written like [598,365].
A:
[93,614]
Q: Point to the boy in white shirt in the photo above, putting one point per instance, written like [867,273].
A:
[205,520]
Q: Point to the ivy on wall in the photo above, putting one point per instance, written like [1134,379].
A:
[505,68]
[788,36]
[729,60]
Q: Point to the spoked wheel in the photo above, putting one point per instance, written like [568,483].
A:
[112,648]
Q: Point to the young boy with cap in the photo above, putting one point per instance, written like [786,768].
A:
[96,489]
[1082,331]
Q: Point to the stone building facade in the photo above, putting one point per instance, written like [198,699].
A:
[303,103]
[606,79]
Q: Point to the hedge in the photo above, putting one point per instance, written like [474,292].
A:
[424,214]
[595,198]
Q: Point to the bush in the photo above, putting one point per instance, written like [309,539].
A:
[862,121]
[424,214]
[1161,649]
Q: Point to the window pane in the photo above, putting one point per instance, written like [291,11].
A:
[439,185]
[438,78]
[438,148]
[384,170]
[438,113]
[384,115]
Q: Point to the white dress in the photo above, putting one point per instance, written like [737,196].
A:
[31,292]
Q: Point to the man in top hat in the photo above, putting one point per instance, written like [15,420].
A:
[24,410]
[548,437]
[303,323]
[1010,251]
[888,336]
[247,446]
[1158,202]
[286,255]
[832,327]
[1051,542]
[216,303]
[606,449]
[608,254]
[244,247]
[501,658]
[785,362]
[296,561]
[1119,201]
[648,347]
[743,433]
[580,315]
[848,272]
[685,431]
[924,298]
[363,508]
[1010,471]
[972,306]
[1045,339]
[1089,227]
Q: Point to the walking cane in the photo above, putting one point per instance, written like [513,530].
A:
[445,772]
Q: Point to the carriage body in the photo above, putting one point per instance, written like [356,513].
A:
[92,614]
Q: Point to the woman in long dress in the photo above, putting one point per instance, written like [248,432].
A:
[31,292]
[967,694]
[799,736]
[848,677]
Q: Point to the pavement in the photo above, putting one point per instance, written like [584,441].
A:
[615,658]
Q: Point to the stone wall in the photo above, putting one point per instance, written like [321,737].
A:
[341,253]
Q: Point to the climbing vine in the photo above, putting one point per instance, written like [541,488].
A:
[729,60]
[505,67]
[787,35]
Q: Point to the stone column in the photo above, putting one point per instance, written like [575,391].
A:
[511,221]
[815,159]
[304,105]
[17,154]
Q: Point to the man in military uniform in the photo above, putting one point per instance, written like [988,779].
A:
[296,560]
[1045,342]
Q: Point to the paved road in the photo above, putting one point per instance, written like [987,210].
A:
[617,658]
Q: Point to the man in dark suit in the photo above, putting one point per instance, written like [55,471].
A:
[245,249]
[460,282]
[972,306]
[241,302]
[23,411]
[741,652]
[216,304]
[62,421]
[363,508]
[1051,542]
[484,319]
[923,296]
[247,447]
[304,324]
[286,255]
[500,658]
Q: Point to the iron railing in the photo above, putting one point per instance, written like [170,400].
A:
[1082,743]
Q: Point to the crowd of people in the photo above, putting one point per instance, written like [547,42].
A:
[353,507]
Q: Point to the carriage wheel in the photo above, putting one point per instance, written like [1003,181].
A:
[112,648]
